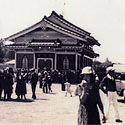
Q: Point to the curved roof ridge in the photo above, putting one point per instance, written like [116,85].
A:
[67,22]
[77,34]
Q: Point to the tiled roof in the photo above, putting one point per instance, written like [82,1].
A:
[62,26]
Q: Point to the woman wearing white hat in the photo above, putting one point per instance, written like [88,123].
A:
[89,99]
[108,86]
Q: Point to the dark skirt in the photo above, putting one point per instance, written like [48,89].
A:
[93,115]
[20,88]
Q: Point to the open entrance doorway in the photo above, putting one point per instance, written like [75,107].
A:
[45,62]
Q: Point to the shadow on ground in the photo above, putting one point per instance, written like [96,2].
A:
[41,99]
[121,100]
[17,100]
[52,93]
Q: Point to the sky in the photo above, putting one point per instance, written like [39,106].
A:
[104,19]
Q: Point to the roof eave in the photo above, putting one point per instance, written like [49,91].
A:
[77,35]
[61,17]
[22,32]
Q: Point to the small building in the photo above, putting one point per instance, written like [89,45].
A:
[54,43]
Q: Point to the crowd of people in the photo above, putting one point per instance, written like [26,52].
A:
[87,90]
[22,77]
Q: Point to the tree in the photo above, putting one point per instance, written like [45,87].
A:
[107,62]
[9,54]
[5,53]
[1,54]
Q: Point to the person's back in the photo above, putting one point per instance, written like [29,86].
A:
[49,82]
[34,78]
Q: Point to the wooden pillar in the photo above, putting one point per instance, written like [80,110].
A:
[79,61]
[34,65]
[76,61]
[55,61]
[15,60]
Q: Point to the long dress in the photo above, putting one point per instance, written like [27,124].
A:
[91,106]
[20,86]
[88,112]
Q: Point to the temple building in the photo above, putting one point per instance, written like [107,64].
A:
[54,43]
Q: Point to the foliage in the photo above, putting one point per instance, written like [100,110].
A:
[5,53]
[1,54]
[9,54]
[100,67]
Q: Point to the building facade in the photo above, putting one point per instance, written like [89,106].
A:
[53,43]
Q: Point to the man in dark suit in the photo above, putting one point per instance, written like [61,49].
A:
[34,80]
[8,84]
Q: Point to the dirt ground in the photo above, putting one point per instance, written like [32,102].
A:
[48,109]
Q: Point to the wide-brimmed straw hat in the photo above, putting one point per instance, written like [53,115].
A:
[88,70]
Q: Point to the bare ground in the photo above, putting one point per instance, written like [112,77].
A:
[47,109]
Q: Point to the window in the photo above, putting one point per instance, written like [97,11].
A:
[24,62]
[66,63]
